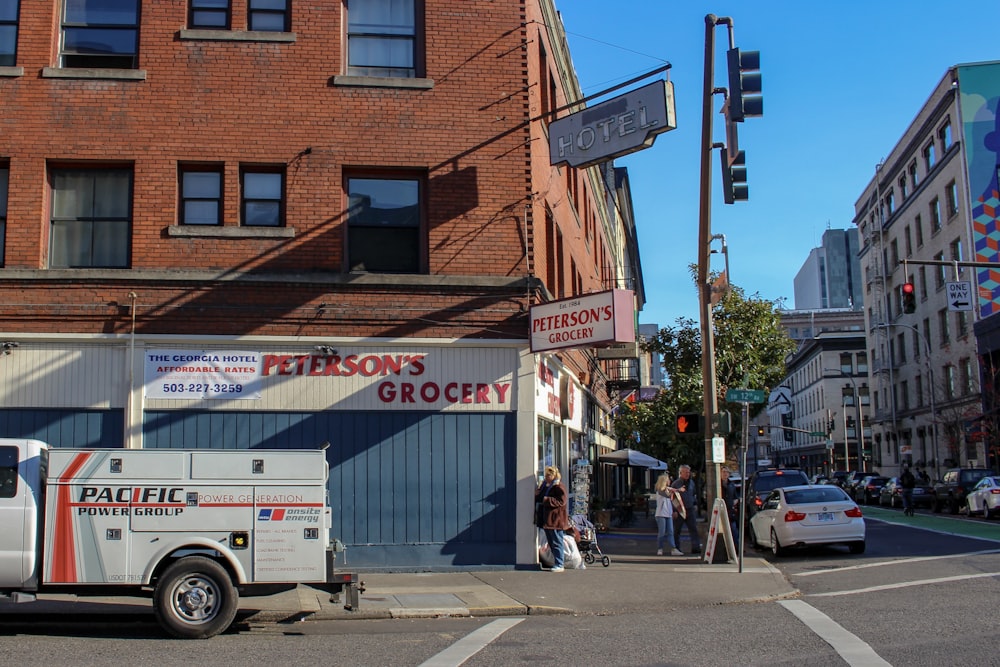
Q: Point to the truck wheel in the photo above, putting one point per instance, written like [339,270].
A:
[195,598]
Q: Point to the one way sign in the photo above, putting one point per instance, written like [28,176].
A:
[960,295]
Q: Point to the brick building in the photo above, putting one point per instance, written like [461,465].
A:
[278,224]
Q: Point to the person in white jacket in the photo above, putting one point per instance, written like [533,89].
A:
[665,516]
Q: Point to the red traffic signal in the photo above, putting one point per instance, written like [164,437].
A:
[909,298]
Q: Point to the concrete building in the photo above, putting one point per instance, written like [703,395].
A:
[812,417]
[930,208]
[230,225]
[831,275]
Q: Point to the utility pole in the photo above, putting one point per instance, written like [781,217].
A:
[709,398]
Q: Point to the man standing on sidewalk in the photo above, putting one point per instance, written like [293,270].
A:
[689,495]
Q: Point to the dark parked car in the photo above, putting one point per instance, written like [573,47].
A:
[868,489]
[892,494]
[955,484]
[762,482]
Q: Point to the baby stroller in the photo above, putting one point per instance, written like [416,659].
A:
[587,541]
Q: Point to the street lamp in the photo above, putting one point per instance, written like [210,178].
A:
[861,420]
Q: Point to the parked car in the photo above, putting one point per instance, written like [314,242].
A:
[868,489]
[762,482]
[955,484]
[985,497]
[853,479]
[892,494]
[798,516]
[820,478]
[839,477]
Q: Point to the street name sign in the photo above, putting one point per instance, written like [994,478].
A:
[745,395]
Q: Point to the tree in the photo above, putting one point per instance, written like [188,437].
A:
[750,351]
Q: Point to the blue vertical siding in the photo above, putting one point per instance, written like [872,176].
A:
[65,427]
[409,491]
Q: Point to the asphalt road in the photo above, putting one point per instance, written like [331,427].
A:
[921,595]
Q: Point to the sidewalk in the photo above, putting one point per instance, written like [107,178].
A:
[637,579]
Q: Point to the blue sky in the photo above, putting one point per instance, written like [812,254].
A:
[841,83]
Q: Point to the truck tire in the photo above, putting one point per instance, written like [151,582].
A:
[195,598]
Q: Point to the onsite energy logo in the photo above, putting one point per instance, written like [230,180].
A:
[302,515]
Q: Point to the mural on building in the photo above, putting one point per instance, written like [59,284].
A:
[980,87]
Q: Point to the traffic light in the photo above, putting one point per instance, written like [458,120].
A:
[688,423]
[909,298]
[744,85]
[734,177]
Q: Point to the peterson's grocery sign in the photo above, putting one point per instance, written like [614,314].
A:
[584,321]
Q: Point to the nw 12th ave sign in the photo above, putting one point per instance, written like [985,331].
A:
[620,126]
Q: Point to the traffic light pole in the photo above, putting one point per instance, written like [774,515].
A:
[709,398]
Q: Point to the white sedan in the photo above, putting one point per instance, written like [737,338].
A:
[985,497]
[797,516]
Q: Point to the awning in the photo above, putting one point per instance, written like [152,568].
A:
[630,457]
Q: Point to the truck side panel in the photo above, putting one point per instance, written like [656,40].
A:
[112,512]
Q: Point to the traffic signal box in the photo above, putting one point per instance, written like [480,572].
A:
[909,298]
[688,423]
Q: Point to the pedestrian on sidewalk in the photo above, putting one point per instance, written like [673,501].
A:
[665,515]
[551,514]
[689,495]
[729,496]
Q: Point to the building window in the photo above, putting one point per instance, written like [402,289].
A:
[903,192]
[916,345]
[945,134]
[963,323]
[269,15]
[4,179]
[904,395]
[91,218]
[918,387]
[951,195]
[384,224]
[862,363]
[956,250]
[901,347]
[894,252]
[890,203]
[201,195]
[949,381]
[941,272]
[918,227]
[263,196]
[8,32]
[209,14]
[908,241]
[382,38]
[935,209]
[930,158]
[968,377]
[100,34]
[943,325]
[914,180]
[921,271]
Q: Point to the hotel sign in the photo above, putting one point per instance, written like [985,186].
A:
[584,321]
[620,126]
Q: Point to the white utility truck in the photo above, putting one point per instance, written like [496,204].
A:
[192,528]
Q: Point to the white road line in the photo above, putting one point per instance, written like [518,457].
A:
[905,584]
[849,646]
[471,644]
[902,561]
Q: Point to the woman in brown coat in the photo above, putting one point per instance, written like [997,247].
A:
[551,515]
